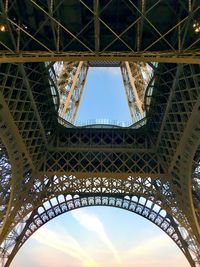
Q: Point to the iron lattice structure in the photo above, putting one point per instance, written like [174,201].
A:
[49,166]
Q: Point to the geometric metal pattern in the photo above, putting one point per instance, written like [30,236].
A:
[43,160]
[99,30]
[71,82]
[48,159]
[135,86]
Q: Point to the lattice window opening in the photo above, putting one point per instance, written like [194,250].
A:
[102,184]
[94,158]
[95,186]
[38,185]
[72,199]
[107,138]
[23,213]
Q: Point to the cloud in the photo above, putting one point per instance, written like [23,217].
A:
[154,252]
[93,224]
[65,243]
[142,249]
[56,244]
[149,245]
[114,71]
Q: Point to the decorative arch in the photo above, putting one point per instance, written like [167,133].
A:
[65,203]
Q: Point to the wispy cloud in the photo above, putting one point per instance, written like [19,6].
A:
[57,244]
[148,245]
[154,252]
[114,71]
[65,243]
[92,223]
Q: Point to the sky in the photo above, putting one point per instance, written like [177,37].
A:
[103,97]
[100,236]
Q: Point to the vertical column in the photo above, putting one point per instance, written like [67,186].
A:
[71,83]
[135,85]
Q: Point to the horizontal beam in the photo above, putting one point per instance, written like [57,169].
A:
[121,175]
[191,57]
[111,149]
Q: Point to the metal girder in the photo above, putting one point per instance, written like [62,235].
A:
[179,136]
[190,57]
[181,165]
[112,152]
[22,94]
[135,32]
[66,103]
[140,24]
[30,94]
[135,89]
[70,82]
[140,195]
[96,26]
[20,164]
[154,162]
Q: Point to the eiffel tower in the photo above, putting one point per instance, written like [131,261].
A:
[150,168]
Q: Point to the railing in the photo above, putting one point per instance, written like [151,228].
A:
[103,123]
[107,123]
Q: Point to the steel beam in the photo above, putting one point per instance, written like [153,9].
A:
[190,57]
[66,104]
[96,26]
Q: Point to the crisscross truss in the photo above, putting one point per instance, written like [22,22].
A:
[112,158]
[152,170]
[58,194]
[29,106]
[48,159]
[184,96]
[99,30]
[70,83]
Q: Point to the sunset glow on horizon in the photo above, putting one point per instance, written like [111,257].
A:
[99,237]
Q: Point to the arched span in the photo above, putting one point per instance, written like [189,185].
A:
[62,204]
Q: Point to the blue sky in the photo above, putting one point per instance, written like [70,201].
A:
[100,236]
[104,96]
